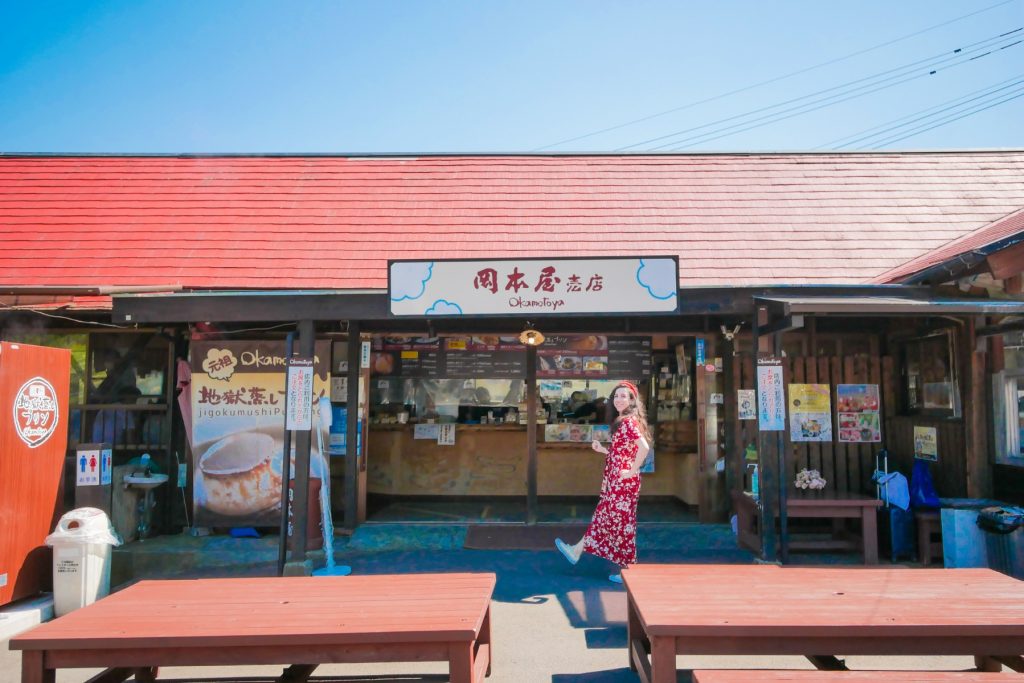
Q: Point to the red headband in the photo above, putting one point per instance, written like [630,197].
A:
[631,387]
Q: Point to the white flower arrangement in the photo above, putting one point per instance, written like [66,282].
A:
[809,479]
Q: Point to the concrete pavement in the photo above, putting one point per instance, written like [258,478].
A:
[551,621]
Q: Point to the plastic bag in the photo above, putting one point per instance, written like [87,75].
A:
[893,488]
[1001,520]
[922,490]
[82,526]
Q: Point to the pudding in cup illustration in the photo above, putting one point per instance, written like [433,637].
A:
[238,475]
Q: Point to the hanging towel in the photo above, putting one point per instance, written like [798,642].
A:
[894,488]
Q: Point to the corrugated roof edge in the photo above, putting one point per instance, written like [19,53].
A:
[414,156]
[951,266]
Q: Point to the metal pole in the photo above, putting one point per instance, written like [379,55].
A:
[303,444]
[531,434]
[286,470]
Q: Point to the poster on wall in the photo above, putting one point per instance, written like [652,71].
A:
[238,408]
[857,405]
[926,443]
[746,401]
[771,398]
[810,412]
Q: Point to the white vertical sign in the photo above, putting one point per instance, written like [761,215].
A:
[446,434]
[299,386]
[771,398]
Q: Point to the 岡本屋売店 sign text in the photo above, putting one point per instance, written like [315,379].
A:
[534,287]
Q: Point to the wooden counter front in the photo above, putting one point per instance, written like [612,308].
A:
[490,460]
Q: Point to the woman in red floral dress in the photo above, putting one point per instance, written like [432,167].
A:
[612,531]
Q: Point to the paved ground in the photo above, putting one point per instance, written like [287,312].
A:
[552,622]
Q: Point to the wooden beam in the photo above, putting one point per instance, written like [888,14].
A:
[1007,263]
[786,324]
[978,466]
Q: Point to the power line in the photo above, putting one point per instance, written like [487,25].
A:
[942,57]
[776,79]
[821,103]
[934,110]
[949,120]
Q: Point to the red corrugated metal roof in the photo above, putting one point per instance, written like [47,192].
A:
[1007,226]
[332,222]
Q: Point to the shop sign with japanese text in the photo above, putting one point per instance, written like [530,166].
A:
[534,287]
[771,399]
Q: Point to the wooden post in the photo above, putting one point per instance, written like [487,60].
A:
[767,450]
[978,467]
[352,428]
[531,434]
[733,456]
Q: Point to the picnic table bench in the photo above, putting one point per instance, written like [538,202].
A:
[756,676]
[820,613]
[836,507]
[296,621]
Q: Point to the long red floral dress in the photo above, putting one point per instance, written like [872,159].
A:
[612,531]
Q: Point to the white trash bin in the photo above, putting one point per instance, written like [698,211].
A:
[81,558]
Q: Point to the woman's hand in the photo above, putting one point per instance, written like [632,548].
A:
[628,474]
[597,446]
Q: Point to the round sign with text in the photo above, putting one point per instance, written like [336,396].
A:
[36,412]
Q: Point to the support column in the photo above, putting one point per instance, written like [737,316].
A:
[300,489]
[531,434]
[352,429]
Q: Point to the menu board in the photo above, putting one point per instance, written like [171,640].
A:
[408,357]
[490,357]
[594,356]
[629,357]
[504,357]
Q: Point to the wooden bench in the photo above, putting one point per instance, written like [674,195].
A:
[818,505]
[756,676]
[929,536]
[819,613]
[296,621]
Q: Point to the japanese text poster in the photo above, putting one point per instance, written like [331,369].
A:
[926,443]
[746,400]
[857,405]
[238,408]
[810,412]
[771,398]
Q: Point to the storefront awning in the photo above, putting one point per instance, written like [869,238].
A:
[888,305]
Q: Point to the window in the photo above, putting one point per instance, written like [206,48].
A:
[929,373]
[1008,389]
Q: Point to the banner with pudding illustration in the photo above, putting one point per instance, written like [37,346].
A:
[238,412]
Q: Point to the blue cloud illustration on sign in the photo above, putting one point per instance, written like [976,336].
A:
[409,280]
[658,277]
[442,307]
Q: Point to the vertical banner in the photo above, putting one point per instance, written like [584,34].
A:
[810,412]
[857,405]
[771,399]
[299,413]
[238,409]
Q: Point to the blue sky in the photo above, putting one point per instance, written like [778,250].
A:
[488,75]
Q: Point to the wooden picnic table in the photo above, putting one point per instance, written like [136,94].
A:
[820,613]
[759,676]
[297,621]
[836,507]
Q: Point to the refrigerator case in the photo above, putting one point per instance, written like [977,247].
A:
[34,385]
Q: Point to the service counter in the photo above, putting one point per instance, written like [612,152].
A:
[490,460]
